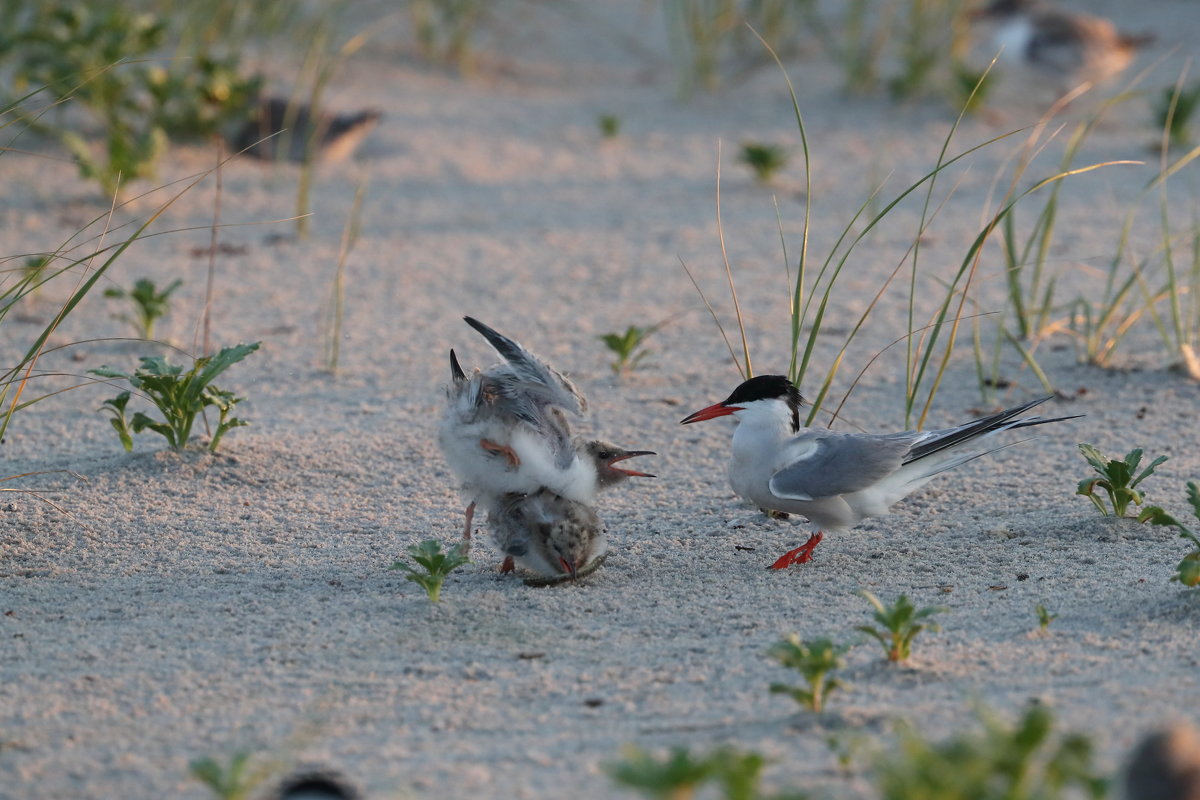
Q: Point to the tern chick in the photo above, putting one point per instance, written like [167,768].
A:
[1065,48]
[838,479]
[554,536]
[546,533]
[505,431]
[281,129]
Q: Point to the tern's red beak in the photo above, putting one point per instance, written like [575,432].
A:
[712,412]
[569,567]
[633,473]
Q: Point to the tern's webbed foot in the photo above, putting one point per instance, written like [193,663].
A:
[801,555]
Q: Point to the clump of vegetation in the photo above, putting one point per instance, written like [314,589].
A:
[628,347]
[434,566]
[1174,110]
[814,660]
[681,776]
[901,622]
[764,160]
[178,395]
[609,124]
[149,304]
[1023,762]
[444,29]
[235,781]
[1118,478]
[102,59]
[1188,570]
[1044,617]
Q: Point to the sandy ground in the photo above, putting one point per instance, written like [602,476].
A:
[180,607]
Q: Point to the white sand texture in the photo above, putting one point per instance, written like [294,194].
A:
[157,608]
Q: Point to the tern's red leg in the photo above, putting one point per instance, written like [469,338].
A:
[501,449]
[801,555]
[508,566]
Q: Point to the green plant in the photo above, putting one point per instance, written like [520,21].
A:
[95,264]
[149,304]
[674,778]
[1032,311]
[1044,617]
[444,29]
[681,776]
[609,125]
[178,395]
[899,43]
[91,56]
[764,160]
[814,660]
[1173,112]
[1135,287]
[1187,571]
[102,58]
[697,29]
[929,345]
[628,347]
[1025,761]
[435,565]
[201,100]
[232,782]
[901,622]
[1118,478]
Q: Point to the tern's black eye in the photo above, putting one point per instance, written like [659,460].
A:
[606,454]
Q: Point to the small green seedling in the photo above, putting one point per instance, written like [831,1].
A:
[763,159]
[681,776]
[610,125]
[179,396]
[149,304]
[233,782]
[435,566]
[847,747]
[814,660]
[628,347]
[676,776]
[1044,617]
[1025,761]
[1188,570]
[1173,112]
[901,623]
[1117,479]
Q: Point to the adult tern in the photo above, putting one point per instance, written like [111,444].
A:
[838,479]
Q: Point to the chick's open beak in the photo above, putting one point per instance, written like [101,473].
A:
[633,473]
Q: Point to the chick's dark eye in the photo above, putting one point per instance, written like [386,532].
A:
[606,454]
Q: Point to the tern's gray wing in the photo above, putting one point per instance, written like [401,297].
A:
[829,464]
[529,378]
